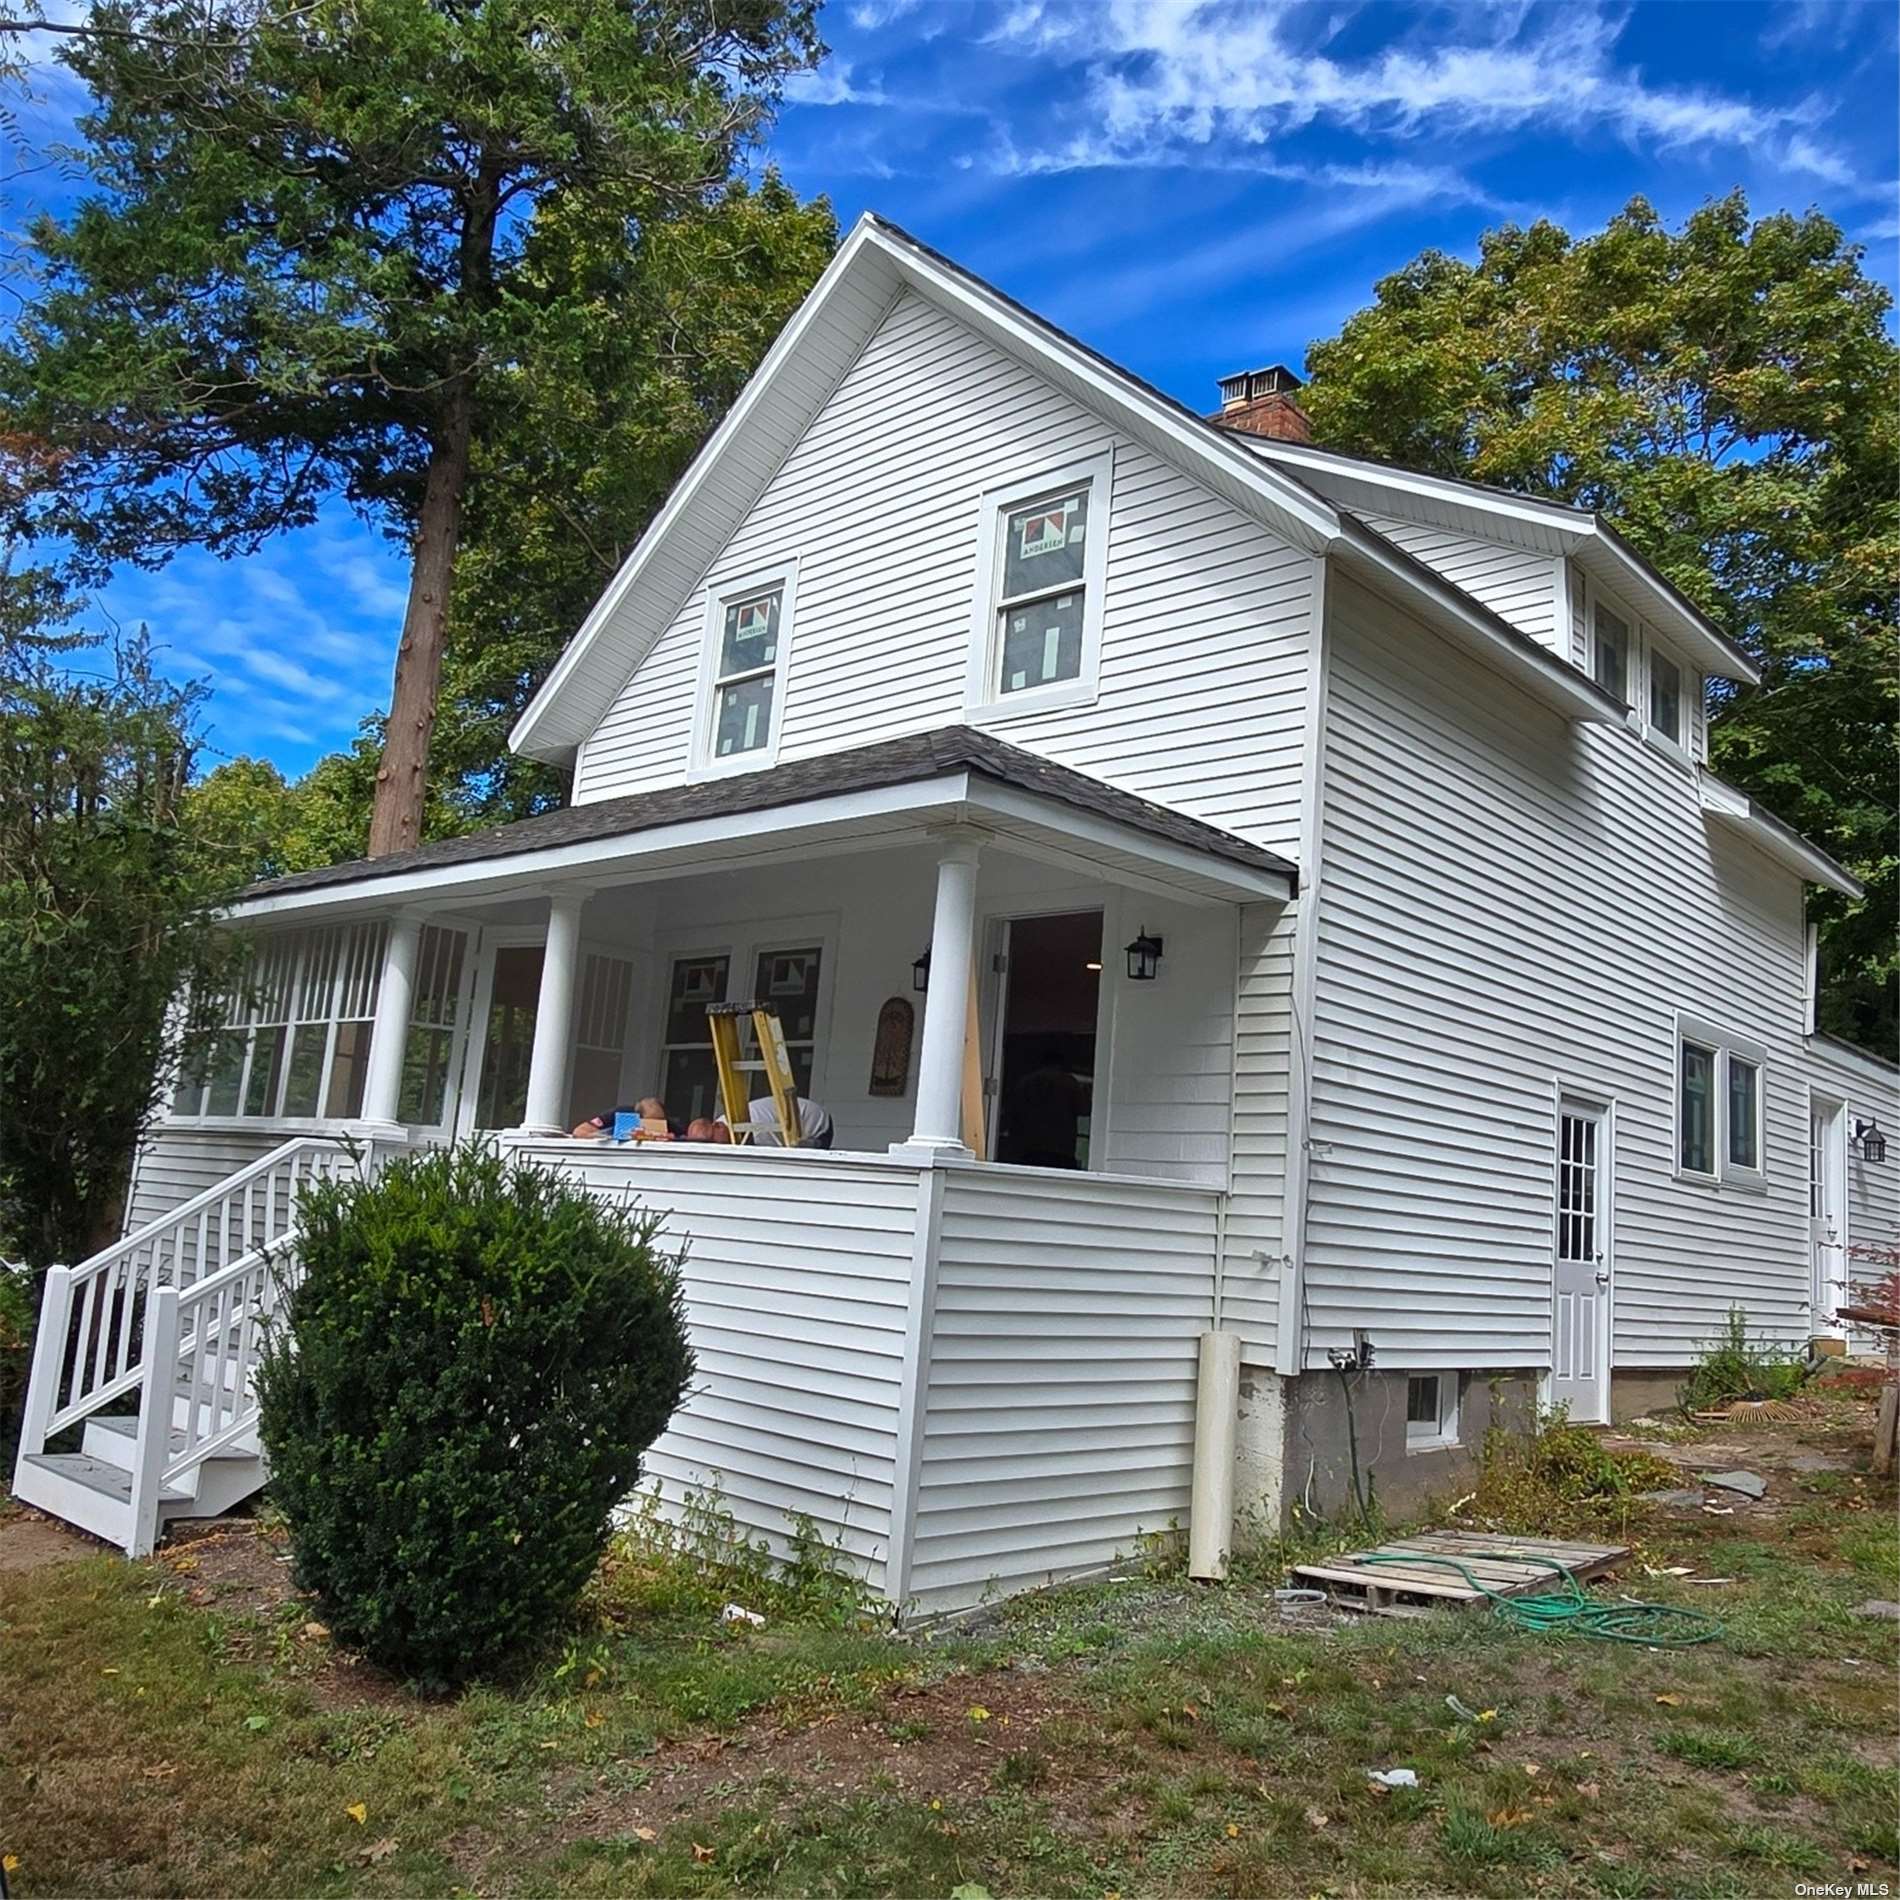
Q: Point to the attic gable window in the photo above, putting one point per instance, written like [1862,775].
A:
[740,700]
[1041,571]
[1610,652]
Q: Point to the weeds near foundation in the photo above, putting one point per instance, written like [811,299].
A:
[694,1561]
[1734,1367]
[1536,1479]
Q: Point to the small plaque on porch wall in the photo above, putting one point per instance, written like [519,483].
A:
[890,1054]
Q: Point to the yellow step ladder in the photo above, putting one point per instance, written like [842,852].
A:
[773,1062]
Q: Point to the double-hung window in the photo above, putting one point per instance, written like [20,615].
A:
[1666,706]
[1041,572]
[741,699]
[1720,1127]
[1610,651]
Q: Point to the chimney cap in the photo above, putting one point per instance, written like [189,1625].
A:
[1249,385]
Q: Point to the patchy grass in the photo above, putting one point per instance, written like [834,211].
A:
[180,1727]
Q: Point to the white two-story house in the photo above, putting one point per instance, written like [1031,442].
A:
[1213,883]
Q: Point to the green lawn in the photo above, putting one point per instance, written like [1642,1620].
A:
[179,1727]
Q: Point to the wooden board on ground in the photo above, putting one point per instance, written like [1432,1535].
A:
[1506,1566]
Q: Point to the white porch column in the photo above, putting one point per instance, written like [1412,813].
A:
[939,1122]
[389,1033]
[546,1112]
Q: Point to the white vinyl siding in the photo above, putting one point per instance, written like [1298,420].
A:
[1511,904]
[177,1161]
[1871,1090]
[797,1275]
[1204,614]
[1520,585]
[1058,1422]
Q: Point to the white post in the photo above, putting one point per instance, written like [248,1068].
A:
[554,1017]
[389,1034]
[49,1360]
[152,1447]
[939,1120]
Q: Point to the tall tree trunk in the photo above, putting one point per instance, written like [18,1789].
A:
[395,821]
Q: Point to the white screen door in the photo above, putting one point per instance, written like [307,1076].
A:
[1827,1154]
[1580,1286]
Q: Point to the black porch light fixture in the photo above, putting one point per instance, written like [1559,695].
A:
[920,973]
[1144,957]
[1871,1142]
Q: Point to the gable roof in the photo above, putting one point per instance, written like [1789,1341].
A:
[889,762]
[873,266]
[1362,482]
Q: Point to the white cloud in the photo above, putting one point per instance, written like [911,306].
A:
[1212,82]
[831,85]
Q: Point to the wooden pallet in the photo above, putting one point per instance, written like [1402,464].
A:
[1393,1588]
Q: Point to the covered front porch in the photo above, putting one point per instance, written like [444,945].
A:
[962,1340]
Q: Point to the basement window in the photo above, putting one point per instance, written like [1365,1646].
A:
[749,628]
[1431,1411]
[1041,571]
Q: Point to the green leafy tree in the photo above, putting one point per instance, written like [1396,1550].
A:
[1729,396]
[106,915]
[324,255]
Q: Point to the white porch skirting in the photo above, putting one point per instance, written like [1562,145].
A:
[972,1379]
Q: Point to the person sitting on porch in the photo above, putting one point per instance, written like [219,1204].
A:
[706,1129]
[814,1124]
[649,1108]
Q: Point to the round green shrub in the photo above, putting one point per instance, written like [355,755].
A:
[456,1396]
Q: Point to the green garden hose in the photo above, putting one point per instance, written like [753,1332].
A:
[1570,1610]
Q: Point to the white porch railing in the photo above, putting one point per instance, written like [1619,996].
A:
[187,1293]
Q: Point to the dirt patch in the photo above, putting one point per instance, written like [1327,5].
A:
[29,1541]
[242,1571]
[964,1734]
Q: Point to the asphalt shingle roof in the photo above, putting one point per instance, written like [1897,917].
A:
[863,768]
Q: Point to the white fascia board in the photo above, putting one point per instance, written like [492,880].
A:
[660,849]
[1493,642]
[1321,462]
[1300,516]
[864,820]
[1582,535]
[1605,557]
[1728,806]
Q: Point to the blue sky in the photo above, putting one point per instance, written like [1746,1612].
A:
[1190,188]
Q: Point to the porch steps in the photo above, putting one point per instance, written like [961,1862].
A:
[93,1487]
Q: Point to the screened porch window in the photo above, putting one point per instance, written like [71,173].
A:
[296,1036]
[430,1047]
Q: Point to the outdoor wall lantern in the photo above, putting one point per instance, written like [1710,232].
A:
[920,973]
[1872,1143]
[1144,957]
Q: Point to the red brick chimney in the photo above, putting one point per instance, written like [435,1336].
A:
[1261,402]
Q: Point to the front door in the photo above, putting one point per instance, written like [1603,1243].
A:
[1827,1238]
[1580,1288]
[1044,1063]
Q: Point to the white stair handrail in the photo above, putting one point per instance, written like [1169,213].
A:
[79,1368]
